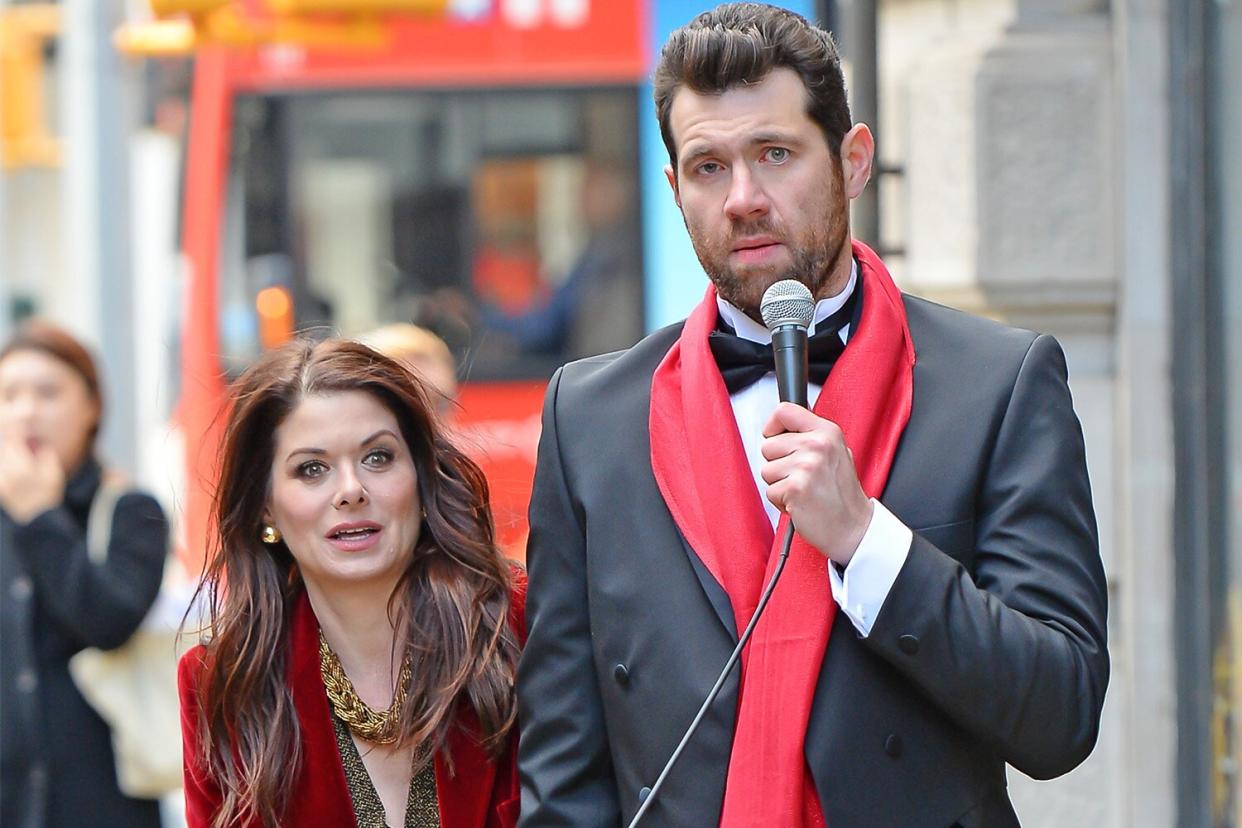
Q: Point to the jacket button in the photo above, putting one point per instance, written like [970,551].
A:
[643,793]
[892,745]
[21,588]
[622,674]
[908,644]
[27,681]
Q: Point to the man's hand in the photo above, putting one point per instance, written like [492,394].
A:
[811,477]
[31,480]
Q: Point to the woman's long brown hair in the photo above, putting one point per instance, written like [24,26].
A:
[451,605]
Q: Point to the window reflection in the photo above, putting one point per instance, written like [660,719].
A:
[506,222]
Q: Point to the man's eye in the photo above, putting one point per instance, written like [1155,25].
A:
[778,155]
[378,457]
[709,168]
[311,469]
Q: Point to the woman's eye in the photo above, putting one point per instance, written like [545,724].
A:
[778,155]
[311,469]
[378,457]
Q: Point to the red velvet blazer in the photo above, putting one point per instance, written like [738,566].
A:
[479,794]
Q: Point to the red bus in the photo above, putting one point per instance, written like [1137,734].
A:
[478,174]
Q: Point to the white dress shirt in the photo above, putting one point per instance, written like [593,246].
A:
[883,549]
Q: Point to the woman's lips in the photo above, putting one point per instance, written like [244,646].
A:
[355,540]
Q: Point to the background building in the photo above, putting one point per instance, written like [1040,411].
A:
[1071,166]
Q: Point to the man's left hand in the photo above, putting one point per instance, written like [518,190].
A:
[811,477]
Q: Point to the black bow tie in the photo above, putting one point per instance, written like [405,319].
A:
[742,362]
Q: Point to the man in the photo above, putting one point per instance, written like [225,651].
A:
[943,609]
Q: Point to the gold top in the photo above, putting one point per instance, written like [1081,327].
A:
[366,723]
[422,807]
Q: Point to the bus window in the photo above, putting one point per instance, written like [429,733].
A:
[505,221]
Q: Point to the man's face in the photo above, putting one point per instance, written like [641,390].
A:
[761,193]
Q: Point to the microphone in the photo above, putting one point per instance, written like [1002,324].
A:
[787,309]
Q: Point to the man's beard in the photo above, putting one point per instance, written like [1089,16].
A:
[812,260]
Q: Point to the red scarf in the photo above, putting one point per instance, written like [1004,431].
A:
[703,474]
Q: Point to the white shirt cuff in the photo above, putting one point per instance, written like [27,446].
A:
[872,571]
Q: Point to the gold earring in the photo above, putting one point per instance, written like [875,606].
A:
[270,534]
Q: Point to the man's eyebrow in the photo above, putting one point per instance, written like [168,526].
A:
[757,139]
[773,137]
[702,150]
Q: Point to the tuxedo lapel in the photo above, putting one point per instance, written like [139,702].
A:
[700,465]
[712,589]
[701,496]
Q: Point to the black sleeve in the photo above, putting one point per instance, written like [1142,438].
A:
[1017,653]
[563,757]
[100,605]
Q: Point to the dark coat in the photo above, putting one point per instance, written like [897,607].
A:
[989,649]
[56,763]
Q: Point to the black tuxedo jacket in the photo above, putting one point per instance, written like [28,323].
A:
[990,647]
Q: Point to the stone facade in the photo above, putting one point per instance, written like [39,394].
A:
[1032,142]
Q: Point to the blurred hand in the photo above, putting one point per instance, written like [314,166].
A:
[31,480]
[811,477]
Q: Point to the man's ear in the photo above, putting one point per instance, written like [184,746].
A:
[857,157]
[672,182]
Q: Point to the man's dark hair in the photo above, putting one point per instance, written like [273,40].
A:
[740,43]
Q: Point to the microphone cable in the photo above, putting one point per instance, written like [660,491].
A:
[649,800]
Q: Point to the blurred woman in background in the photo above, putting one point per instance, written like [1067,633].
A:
[56,755]
[364,628]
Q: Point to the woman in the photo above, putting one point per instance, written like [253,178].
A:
[55,750]
[364,628]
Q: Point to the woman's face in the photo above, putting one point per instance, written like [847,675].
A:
[48,404]
[344,492]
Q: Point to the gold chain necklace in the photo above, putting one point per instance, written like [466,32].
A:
[363,721]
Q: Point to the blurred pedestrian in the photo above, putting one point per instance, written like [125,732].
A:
[360,663]
[56,755]
[590,310]
[425,354]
